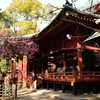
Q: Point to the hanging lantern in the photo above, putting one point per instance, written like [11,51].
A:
[69,36]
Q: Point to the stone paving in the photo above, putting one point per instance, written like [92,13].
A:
[27,94]
[44,94]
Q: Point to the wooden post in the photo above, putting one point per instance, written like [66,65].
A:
[47,85]
[94,88]
[74,88]
[79,55]
[54,86]
[73,83]
[20,76]
[74,74]
[64,62]
[63,87]
[13,68]
[24,71]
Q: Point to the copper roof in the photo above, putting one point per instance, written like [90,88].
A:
[87,5]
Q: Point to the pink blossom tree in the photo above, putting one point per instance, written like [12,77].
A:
[12,47]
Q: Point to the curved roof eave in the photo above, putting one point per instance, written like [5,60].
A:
[66,8]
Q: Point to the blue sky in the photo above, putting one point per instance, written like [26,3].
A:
[61,2]
[5,3]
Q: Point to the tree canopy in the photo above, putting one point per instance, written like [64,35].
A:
[22,14]
[17,47]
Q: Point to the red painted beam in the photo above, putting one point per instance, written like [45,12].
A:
[90,47]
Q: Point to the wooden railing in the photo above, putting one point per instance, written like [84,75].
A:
[88,76]
[69,76]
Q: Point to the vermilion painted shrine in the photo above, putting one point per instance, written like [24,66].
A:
[68,62]
[64,58]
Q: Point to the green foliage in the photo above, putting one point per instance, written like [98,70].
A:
[48,11]
[22,13]
[3,63]
[26,27]
[5,19]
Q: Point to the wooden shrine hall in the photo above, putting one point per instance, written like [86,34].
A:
[64,60]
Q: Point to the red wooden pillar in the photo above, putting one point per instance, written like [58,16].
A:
[79,56]
[24,71]
[64,62]
[20,76]
[13,68]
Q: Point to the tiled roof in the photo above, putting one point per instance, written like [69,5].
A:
[88,4]
[59,18]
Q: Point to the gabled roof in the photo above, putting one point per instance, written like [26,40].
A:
[88,4]
[68,17]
